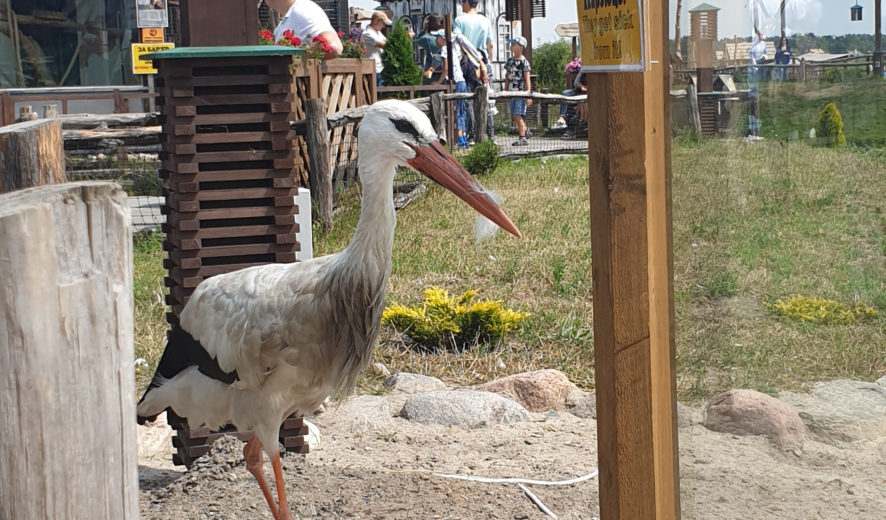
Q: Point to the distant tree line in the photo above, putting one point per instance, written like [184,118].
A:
[803,43]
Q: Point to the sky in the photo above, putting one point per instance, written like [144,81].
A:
[734,19]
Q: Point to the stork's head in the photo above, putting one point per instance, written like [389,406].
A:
[400,131]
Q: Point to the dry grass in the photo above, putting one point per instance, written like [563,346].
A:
[751,223]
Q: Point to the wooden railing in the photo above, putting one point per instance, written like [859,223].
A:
[119,96]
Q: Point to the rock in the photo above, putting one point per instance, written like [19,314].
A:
[537,391]
[467,409]
[313,437]
[413,383]
[882,381]
[360,414]
[746,412]
[842,410]
[582,404]
[380,370]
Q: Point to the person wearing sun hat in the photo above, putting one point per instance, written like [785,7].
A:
[517,70]
[306,20]
[375,41]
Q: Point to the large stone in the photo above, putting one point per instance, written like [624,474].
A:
[467,409]
[409,383]
[537,391]
[746,412]
[842,410]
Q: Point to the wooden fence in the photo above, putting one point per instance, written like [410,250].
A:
[120,99]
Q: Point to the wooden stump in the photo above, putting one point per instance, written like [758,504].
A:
[67,385]
[31,154]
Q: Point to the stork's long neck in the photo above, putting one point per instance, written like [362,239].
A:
[370,249]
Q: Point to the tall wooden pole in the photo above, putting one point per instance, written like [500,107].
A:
[526,26]
[878,50]
[631,238]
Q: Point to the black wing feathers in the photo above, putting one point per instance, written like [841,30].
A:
[183,351]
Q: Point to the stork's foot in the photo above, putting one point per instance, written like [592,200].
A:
[253,455]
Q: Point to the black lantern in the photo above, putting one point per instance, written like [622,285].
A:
[855,12]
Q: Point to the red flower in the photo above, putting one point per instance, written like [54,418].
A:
[295,41]
[288,34]
[266,35]
[340,34]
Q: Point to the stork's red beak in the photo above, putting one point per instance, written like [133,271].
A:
[438,164]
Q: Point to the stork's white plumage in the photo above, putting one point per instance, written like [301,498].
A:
[259,344]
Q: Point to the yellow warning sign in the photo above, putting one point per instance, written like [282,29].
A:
[611,35]
[143,66]
[153,35]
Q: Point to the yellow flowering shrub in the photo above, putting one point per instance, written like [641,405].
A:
[446,321]
[820,310]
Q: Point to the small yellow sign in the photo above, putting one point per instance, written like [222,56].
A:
[143,66]
[611,35]
[153,35]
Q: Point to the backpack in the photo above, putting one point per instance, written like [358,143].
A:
[470,68]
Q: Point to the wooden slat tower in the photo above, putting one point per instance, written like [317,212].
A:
[230,174]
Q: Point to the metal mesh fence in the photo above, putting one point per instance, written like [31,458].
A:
[543,136]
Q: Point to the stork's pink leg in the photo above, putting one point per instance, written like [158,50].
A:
[285,514]
[252,454]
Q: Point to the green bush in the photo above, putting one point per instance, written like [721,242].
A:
[830,125]
[548,62]
[482,159]
[443,321]
[399,66]
[832,75]
[145,179]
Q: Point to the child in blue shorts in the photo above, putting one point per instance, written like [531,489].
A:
[517,70]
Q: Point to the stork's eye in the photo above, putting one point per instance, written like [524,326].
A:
[406,127]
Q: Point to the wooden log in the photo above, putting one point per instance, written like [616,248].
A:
[67,408]
[31,154]
[481,111]
[320,177]
[83,121]
[110,139]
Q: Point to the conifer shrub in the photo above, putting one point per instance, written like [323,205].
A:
[449,322]
[399,66]
[820,310]
[483,158]
[830,125]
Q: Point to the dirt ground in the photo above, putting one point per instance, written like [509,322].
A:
[391,472]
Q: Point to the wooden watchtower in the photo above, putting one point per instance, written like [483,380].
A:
[702,35]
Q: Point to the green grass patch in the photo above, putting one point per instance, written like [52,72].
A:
[753,223]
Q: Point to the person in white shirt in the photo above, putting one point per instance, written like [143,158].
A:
[306,20]
[375,40]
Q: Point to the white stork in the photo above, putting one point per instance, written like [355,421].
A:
[256,345]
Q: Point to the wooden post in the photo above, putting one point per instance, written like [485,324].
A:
[67,408]
[878,50]
[438,114]
[31,154]
[481,112]
[7,109]
[631,240]
[693,108]
[320,177]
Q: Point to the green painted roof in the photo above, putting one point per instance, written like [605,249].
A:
[238,51]
[704,7]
